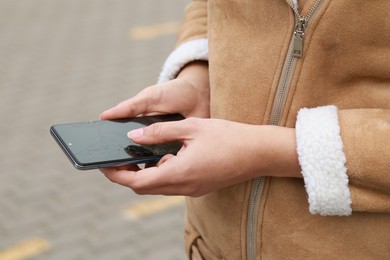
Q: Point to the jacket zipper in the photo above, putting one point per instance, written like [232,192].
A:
[253,212]
[295,51]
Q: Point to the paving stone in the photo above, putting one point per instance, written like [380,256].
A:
[67,61]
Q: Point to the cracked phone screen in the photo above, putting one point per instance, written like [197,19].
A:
[105,141]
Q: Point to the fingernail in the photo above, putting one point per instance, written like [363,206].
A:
[134,134]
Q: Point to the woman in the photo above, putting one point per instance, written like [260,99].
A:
[286,105]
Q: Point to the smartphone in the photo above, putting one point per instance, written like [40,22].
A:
[104,143]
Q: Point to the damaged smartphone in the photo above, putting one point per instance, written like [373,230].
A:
[104,143]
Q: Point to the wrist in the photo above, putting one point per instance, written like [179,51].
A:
[277,152]
[289,164]
[196,73]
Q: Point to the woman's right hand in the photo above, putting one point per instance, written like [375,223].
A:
[188,95]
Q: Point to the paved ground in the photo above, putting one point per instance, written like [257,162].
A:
[65,61]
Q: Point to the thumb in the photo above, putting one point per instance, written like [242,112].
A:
[160,133]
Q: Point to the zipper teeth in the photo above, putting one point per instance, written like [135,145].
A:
[293,8]
[312,10]
[309,14]
[282,90]
[259,184]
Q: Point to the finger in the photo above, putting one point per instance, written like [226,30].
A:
[119,176]
[164,159]
[129,108]
[154,178]
[128,167]
[161,161]
[164,179]
[140,181]
[163,132]
[131,179]
[144,103]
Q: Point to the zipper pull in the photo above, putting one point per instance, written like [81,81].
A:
[299,35]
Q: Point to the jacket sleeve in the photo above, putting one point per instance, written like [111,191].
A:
[345,159]
[192,44]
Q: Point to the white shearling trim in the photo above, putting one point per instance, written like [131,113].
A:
[321,156]
[185,53]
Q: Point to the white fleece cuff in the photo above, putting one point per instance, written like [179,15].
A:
[321,156]
[185,53]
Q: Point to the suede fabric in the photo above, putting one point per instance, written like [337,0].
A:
[346,63]
[366,133]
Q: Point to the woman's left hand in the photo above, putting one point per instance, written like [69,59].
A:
[215,154]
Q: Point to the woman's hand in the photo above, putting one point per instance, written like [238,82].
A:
[188,94]
[215,154]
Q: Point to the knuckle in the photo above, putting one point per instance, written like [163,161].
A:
[192,124]
[153,93]
[139,192]
[194,192]
[198,123]
[192,121]
[156,129]
[138,189]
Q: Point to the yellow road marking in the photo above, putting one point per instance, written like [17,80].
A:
[150,207]
[24,249]
[154,31]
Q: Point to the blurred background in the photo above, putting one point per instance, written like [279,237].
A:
[67,61]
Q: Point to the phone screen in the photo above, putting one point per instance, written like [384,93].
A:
[104,143]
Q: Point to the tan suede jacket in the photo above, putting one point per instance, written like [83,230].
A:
[322,67]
